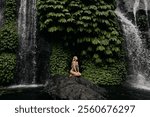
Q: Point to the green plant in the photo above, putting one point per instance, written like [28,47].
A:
[112,74]
[10,10]
[8,38]
[90,26]
[59,60]
[7,67]
[8,43]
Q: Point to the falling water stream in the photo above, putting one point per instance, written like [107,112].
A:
[27,65]
[135,8]
[146,10]
[146,7]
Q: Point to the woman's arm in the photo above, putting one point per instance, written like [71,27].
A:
[77,67]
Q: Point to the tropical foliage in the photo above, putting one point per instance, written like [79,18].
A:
[8,38]
[113,74]
[89,25]
[59,60]
[7,68]
[10,10]
[8,43]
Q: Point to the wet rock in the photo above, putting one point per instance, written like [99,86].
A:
[2,2]
[73,88]
[129,4]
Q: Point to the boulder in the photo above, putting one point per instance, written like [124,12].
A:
[73,88]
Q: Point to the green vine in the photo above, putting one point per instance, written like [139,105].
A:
[89,26]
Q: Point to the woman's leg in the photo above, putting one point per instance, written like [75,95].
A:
[72,73]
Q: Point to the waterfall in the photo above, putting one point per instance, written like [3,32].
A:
[146,10]
[139,56]
[27,65]
[1,12]
[146,7]
[135,8]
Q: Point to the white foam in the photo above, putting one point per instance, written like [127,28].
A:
[137,86]
[25,86]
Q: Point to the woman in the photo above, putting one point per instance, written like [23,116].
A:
[75,67]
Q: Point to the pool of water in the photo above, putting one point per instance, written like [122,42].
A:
[32,92]
[37,93]
[127,93]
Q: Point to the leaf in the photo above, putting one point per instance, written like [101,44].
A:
[95,41]
[110,60]
[58,7]
[86,18]
[62,20]
[105,42]
[48,21]
[69,29]
[53,29]
[98,60]
[70,20]
[118,42]
[100,48]
[96,56]
[108,52]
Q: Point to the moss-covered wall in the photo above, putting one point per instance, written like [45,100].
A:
[8,43]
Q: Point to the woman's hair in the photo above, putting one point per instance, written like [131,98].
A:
[75,58]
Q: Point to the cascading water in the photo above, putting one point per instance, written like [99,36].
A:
[1,12]
[146,10]
[137,54]
[27,66]
[146,7]
[135,7]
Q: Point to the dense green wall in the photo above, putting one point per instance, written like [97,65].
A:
[60,60]
[88,29]
[88,26]
[8,43]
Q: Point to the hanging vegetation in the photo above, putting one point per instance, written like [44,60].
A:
[89,25]
[8,43]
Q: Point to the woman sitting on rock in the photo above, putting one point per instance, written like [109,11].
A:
[75,67]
